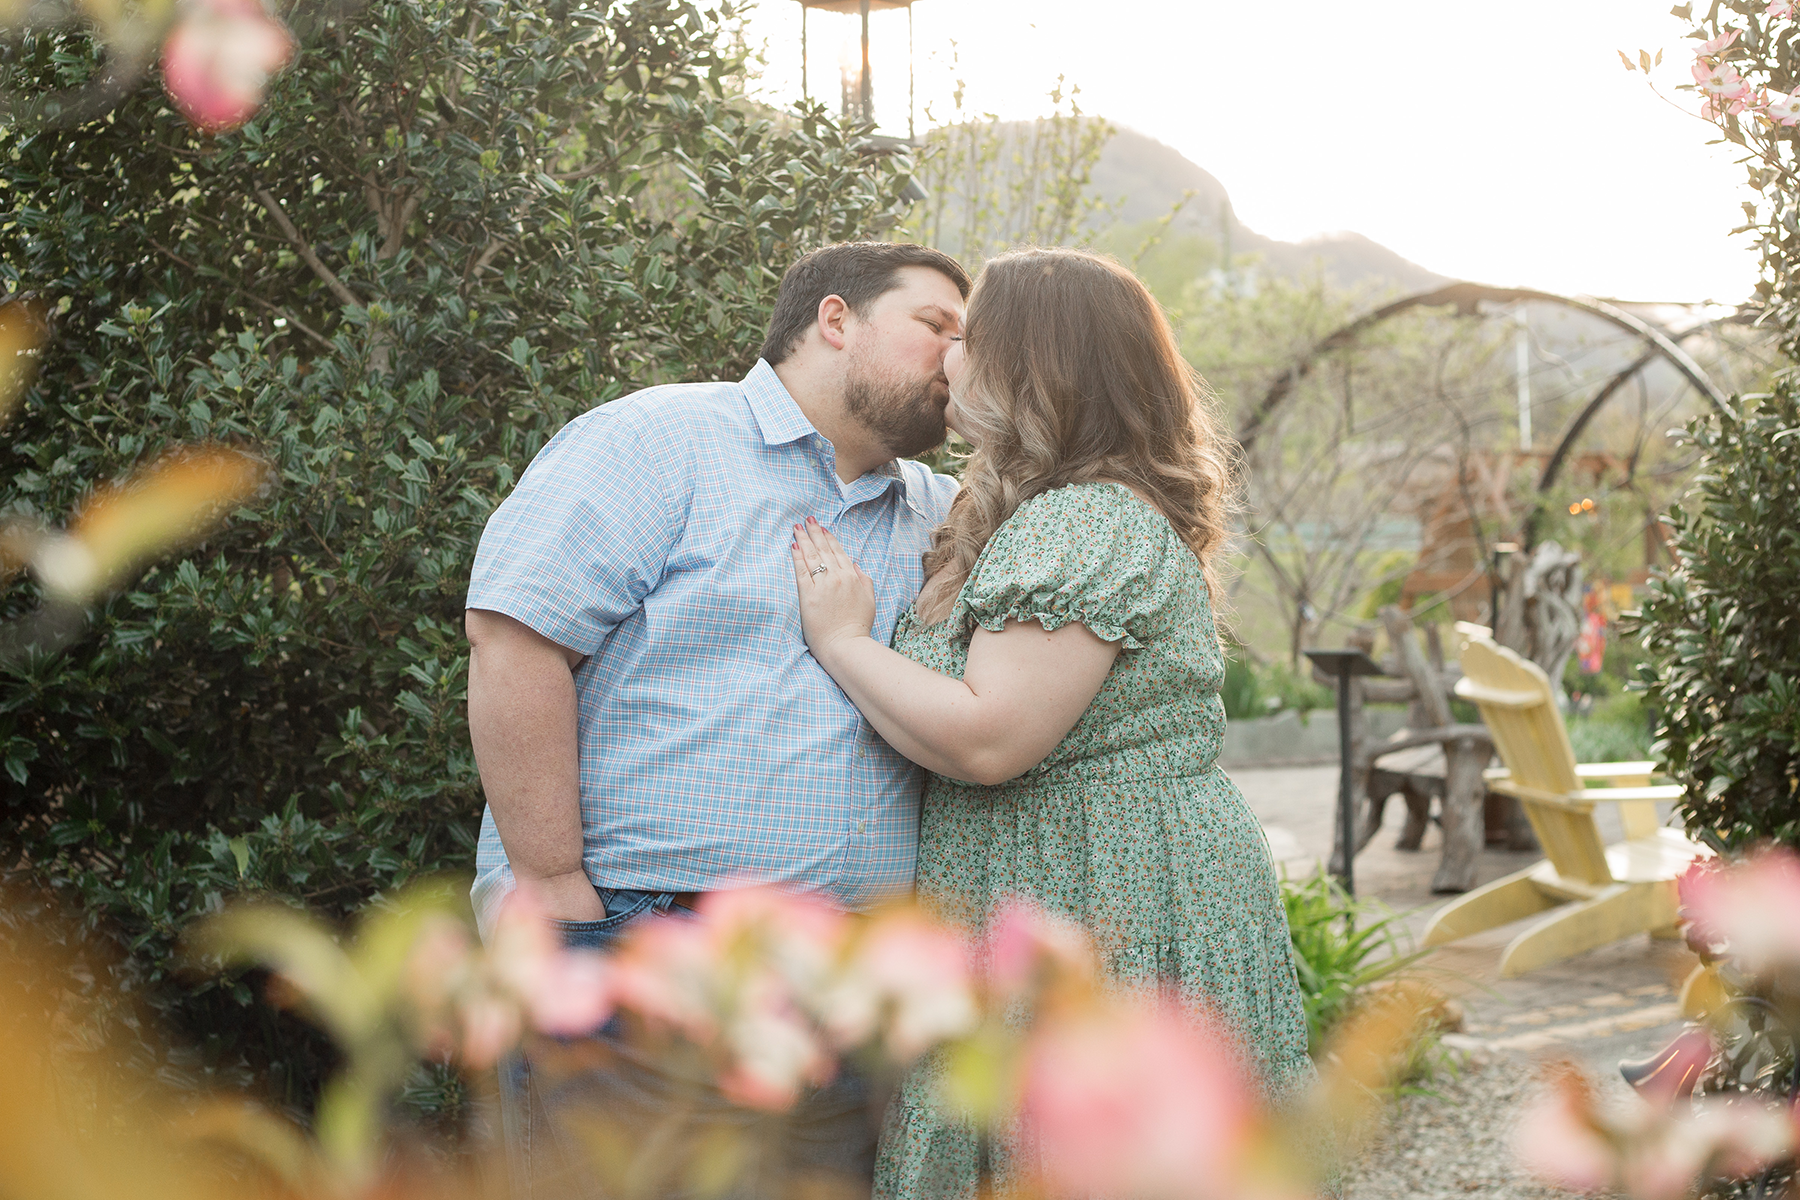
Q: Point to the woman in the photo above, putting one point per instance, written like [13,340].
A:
[1059,674]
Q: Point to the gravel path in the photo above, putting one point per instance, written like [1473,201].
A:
[1455,1144]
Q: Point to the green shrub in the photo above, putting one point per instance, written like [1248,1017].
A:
[1721,632]
[1616,729]
[1342,947]
[502,214]
[1241,693]
[1252,689]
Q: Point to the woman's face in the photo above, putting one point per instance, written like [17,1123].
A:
[953,369]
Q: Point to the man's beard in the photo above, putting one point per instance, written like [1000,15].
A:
[903,414]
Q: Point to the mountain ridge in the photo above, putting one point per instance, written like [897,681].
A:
[1140,179]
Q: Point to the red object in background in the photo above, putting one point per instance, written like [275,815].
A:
[218,60]
[1590,645]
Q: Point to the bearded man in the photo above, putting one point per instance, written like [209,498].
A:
[647,721]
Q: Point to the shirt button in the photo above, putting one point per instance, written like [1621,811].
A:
[862,752]
[860,825]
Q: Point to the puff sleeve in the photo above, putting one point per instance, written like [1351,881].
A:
[1092,553]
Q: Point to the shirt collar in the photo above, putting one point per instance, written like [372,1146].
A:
[776,414]
[782,422]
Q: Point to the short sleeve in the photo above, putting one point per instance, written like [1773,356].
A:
[1089,553]
[584,537]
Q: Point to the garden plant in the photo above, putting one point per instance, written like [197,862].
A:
[451,227]
[339,304]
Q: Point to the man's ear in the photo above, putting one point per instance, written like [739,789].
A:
[834,316]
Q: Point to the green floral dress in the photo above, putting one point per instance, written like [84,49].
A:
[1128,826]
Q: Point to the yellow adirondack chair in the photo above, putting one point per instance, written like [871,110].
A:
[1599,893]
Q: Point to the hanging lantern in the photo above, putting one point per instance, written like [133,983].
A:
[857,86]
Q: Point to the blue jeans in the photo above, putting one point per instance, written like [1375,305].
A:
[665,1116]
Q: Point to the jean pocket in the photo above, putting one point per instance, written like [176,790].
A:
[601,934]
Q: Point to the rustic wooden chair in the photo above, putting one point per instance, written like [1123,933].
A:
[1599,893]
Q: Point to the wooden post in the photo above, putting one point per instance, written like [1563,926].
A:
[867,95]
[1465,794]
[1464,815]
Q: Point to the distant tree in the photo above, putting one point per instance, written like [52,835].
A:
[994,184]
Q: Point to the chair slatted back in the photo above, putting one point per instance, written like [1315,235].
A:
[1519,708]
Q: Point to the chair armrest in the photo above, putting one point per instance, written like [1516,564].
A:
[1494,773]
[1409,740]
[1667,791]
[1615,770]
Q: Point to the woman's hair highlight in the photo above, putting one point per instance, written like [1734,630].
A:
[1073,376]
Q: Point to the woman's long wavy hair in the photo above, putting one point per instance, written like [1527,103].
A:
[1072,375]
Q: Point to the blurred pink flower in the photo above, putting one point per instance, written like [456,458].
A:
[1718,44]
[1780,8]
[566,992]
[1136,1100]
[1027,947]
[1559,1141]
[908,974]
[1782,110]
[217,62]
[665,971]
[1675,1070]
[489,1026]
[437,968]
[774,1049]
[1648,1151]
[741,977]
[1746,910]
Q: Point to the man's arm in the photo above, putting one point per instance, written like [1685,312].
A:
[523,727]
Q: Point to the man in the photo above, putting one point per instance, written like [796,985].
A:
[647,721]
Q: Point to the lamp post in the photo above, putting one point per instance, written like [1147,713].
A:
[865,90]
[1345,665]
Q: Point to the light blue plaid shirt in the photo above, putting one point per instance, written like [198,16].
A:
[652,535]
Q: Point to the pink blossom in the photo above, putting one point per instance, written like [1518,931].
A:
[1649,1151]
[1133,1101]
[437,969]
[1559,1141]
[1721,82]
[489,1026]
[911,975]
[742,978]
[774,1049]
[1027,947]
[665,970]
[1780,9]
[217,62]
[566,992]
[1718,44]
[1746,910]
[1676,1069]
[1781,110]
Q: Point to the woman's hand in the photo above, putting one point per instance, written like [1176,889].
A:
[837,601]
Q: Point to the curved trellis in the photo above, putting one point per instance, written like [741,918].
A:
[1465,297]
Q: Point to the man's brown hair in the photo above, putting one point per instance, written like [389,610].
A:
[857,272]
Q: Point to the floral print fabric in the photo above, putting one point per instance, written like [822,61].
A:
[1128,826]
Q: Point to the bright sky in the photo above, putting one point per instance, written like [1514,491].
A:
[1497,142]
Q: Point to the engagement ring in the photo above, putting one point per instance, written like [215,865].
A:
[819,570]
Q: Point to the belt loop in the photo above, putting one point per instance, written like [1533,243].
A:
[662,902]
